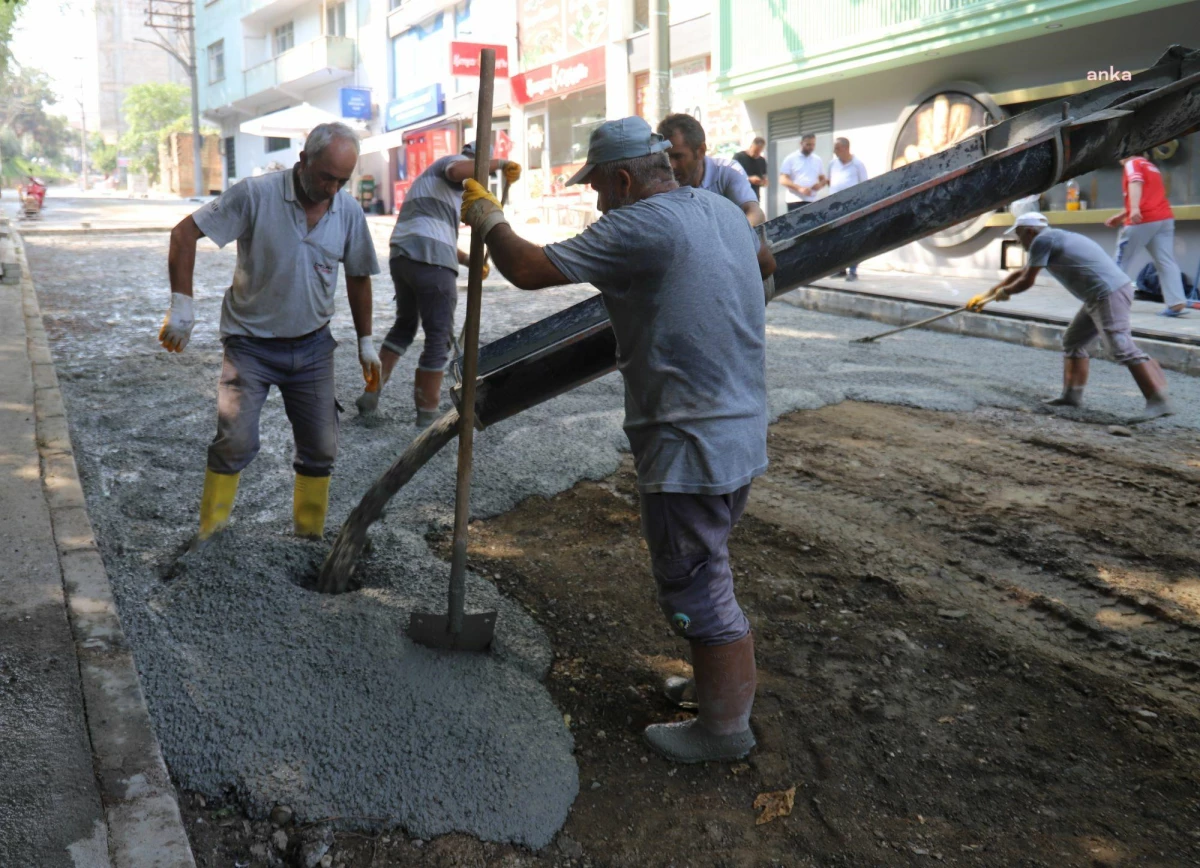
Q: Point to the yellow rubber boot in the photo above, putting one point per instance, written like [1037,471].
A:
[216,502]
[310,502]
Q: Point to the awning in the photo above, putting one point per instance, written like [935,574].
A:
[295,122]
[395,138]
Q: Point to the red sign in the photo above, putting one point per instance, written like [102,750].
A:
[563,76]
[464,58]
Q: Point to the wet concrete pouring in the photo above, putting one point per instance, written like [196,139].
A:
[978,624]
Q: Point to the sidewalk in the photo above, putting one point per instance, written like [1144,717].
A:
[1036,318]
[82,781]
[1047,300]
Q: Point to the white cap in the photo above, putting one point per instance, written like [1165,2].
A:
[1029,218]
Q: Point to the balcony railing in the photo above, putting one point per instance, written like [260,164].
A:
[325,53]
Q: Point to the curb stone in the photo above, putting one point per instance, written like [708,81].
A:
[145,829]
[1181,357]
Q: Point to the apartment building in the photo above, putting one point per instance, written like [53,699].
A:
[900,78]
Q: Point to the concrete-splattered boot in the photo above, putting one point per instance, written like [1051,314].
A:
[216,503]
[1153,383]
[1075,377]
[725,681]
[368,401]
[427,393]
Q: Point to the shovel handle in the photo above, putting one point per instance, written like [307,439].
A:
[470,366]
[911,325]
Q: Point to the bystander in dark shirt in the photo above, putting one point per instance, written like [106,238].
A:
[753,166]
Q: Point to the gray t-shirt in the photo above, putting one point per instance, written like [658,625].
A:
[728,180]
[427,225]
[286,276]
[1078,262]
[679,276]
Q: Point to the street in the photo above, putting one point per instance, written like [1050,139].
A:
[978,621]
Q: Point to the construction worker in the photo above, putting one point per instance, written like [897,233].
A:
[1090,275]
[292,229]
[845,170]
[1149,223]
[680,271]
[694,168]
[424,264]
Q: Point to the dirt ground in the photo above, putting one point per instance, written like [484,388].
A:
[977,636]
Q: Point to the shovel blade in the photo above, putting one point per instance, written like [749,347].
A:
[433,631]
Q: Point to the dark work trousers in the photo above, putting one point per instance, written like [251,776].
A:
[426,295]
[792,206]
[688,537]
[302,370]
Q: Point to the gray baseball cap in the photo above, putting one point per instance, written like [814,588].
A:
[619,140]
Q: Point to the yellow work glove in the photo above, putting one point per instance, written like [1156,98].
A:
[177,325]
[487,269]
[976,304]
[480,209]
[512,171]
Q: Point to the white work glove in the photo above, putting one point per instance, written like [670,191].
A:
[369,359]
[480,209]
[177,325]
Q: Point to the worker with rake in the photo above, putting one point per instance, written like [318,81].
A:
[680,270]
[1090,275]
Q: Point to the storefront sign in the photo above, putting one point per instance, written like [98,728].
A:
[564,76]
[356,102]
[464,59]
[554,28]
[425,103]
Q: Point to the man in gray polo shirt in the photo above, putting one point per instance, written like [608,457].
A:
[1090,275]
[292,229]
[680,271]
[694,168]
[424,265]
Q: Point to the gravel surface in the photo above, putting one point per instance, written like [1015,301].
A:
[264,689]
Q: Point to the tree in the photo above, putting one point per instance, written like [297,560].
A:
[29,132]
[9,10]
[149,110]
[101,155]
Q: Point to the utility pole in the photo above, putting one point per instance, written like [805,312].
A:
[660,62]
[174,23]
[83,178]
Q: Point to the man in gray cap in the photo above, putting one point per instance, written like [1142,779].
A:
[680,270]
[1090,275]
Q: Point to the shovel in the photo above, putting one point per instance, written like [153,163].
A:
[457,630]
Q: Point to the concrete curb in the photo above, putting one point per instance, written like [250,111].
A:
[32,231]
[141,810]
[1041,334]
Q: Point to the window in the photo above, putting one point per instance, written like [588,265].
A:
[277,144]
[416,51]
[335,19]
[216,62]
[284,38]
[230,158]
[395,4]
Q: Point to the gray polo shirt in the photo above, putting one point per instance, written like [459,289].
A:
[728,180]
[679,276]
[1078,263]
[286,276]
[427,225]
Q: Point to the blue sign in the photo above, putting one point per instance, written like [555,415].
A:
[356,103]
[425,103]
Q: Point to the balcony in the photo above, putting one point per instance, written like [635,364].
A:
[306,66]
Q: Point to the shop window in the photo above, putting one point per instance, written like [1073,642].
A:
[283,39]
[571,123]
[277,144]
[216,62]
[416,51]
[335,19]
